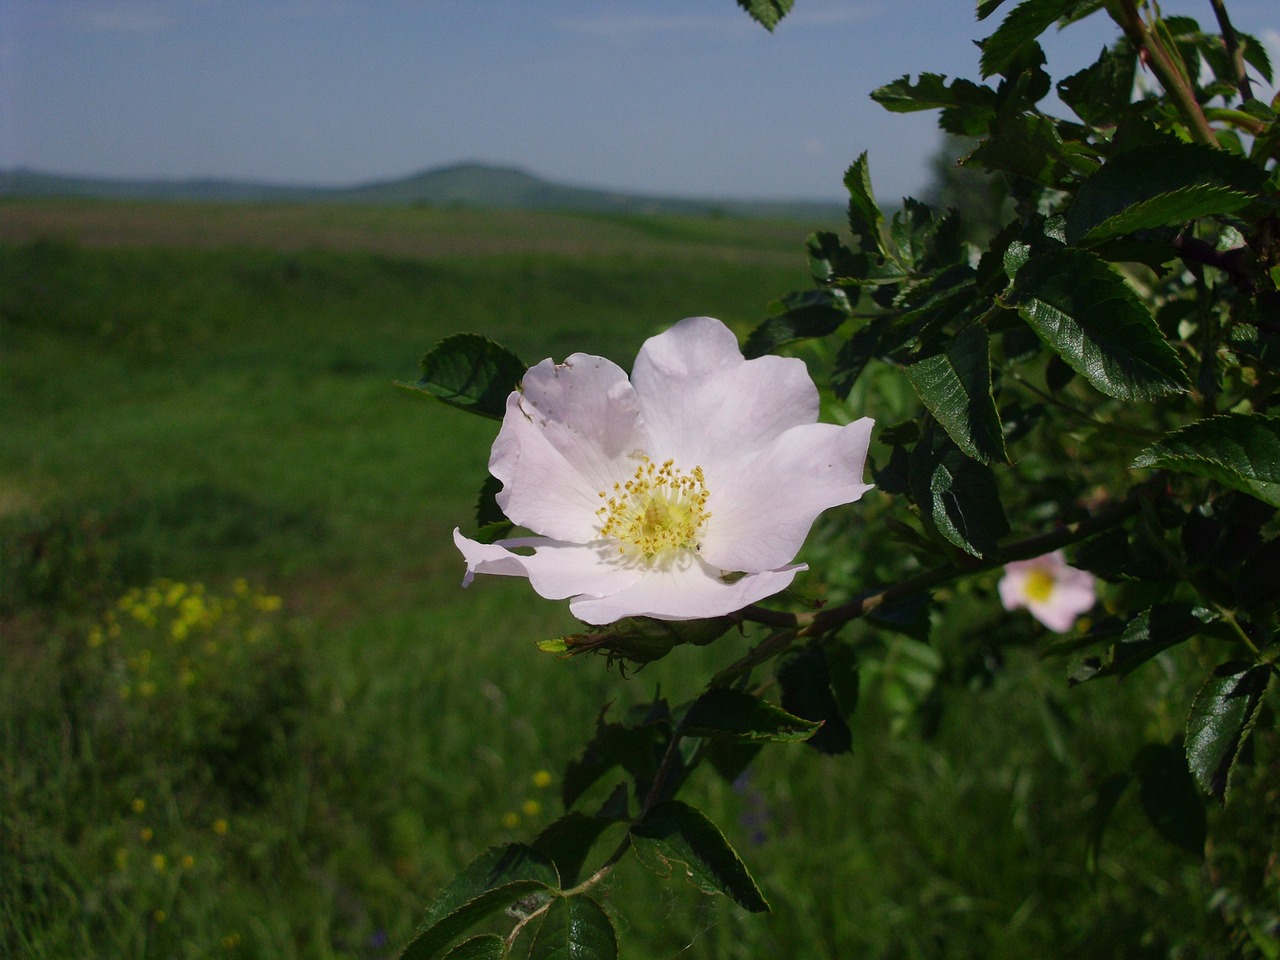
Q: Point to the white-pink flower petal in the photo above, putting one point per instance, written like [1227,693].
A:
[692,592]
[763,506]
[555,570]
[1050,590]
[564,435]
[705,403]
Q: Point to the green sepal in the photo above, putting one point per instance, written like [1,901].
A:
[1241,450]
[494,881]
[575,928]
[955,386]
[723,713]
[673,837]
[1222,716]
[640,639]
[471,373]
[1091,318]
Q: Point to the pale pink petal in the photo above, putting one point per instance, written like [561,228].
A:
[1053,615]
[565,437]
[1013,587]
[555,570]
[692,590]
[701,401]
[763,505]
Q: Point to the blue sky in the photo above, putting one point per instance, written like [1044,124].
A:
[678,97]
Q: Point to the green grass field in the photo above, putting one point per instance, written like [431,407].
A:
[206,395]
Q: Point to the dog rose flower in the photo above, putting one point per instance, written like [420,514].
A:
[1054,593]
[681,493]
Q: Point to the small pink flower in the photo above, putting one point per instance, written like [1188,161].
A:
[681,493]
[1053,592]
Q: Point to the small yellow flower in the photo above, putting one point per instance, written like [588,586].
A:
[95,637]
[138,805]
[542,779]
[188,861]
[122,858]
[220,826]
[179,629]
[160,916]
[531,808]
[146,833]
[510,820]
[159,862]
[146,688]
[231,941]
[267,603]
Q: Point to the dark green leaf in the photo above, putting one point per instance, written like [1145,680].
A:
[1151,632]
[726,714]
[575,928]
[1240,450]
[853,357]
[490,883]
[956,388]
[909,616]
[806,682]
[1103,90]
[969,105]
[1027,146]
[802,316]
[767,13]
[1169,798]
[865,217]
[1104,802]
[987,7]
[958,496]
[487,946]
[471,373]
[1222,716]
[1021,26]
[1158,184]
[568,840]
[1087,313]
[674,837]
[636,748]
[829,258]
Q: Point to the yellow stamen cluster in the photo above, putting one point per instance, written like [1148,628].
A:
[659,511]
[1039,585]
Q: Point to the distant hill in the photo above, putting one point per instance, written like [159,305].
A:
[473,185]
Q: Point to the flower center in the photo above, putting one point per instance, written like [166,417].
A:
[1039,585]
[659,511]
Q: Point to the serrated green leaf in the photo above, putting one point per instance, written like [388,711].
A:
[1222,716]
[1168,796]
[804,315]
[1086,312]
[569,840]
[865,218]
[931,92]
[675,837]
[492,882]
[1240,450]
[804,677]
[575,928]
[471,373]
[1026,146]
[767,13]
[1158,184]
[955,386]
[1023,24]
[726,714]
[487,946]
[1103,89]
[637,749]
[958,496]
[987,7]
[1151,632]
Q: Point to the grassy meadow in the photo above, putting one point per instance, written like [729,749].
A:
[246,710]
